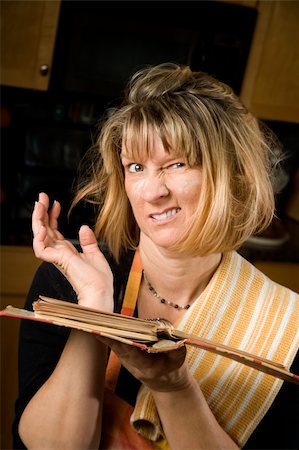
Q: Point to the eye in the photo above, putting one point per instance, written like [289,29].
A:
[135,167]
[177,165]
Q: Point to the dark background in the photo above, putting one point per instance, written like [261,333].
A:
[44,135]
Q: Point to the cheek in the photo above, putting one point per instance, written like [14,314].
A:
[189,188]
[134,190]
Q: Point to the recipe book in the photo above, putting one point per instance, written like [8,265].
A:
[151,335]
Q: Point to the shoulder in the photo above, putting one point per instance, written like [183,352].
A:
[244,272]
[266,307]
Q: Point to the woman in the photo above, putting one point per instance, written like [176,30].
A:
[182,177]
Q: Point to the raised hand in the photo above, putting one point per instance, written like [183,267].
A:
[87,271]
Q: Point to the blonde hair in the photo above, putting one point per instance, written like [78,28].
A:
[201,119]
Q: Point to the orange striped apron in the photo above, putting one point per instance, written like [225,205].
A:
[117,432]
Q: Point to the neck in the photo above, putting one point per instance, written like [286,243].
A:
[175,276]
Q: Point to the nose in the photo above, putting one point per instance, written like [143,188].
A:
[154,188]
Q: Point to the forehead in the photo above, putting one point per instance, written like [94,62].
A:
[145,141]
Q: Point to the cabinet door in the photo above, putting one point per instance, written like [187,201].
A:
[28,31]
[271,86]
[18,265]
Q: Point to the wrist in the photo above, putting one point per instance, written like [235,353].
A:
[100,300]
[186,388]
[174,381]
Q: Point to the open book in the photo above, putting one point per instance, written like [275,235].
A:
[151,335]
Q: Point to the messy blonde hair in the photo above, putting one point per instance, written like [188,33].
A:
[202,120]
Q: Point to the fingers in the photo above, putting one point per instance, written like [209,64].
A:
[43,198]
[54,214]
[88,240]
[40,212]
[39,244]
[40,237]
[41,216]
[38,217]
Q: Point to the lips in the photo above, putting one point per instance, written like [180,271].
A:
[166,214]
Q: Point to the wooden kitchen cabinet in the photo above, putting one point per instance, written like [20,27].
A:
[28,32]
[270,87]
[18,265]
[271,84]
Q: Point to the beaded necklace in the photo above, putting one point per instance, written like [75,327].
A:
[159,297]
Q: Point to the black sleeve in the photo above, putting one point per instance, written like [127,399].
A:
[279,428]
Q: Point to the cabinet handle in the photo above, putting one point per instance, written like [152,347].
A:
[44,69]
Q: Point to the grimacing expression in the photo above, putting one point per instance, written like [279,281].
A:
[163,192]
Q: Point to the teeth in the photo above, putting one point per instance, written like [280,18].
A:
[163,216]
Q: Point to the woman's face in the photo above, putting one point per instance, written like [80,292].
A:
[163,192]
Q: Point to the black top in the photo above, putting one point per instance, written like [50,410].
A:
[41,346]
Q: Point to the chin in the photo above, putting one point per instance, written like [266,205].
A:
[163,241]
[164,238]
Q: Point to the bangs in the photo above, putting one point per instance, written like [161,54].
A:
[142,123]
